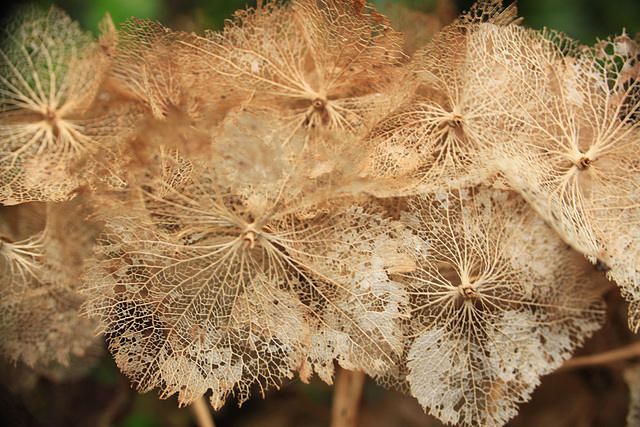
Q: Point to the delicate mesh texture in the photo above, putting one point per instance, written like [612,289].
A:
[293,192]
[356,307]
[148,68]
[573,150]
[431,141]
[39,302]
[50,71]
[212,280]
[491,312]
[320,63]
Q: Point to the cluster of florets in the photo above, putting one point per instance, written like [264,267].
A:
[302,188]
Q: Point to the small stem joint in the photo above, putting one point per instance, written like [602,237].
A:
[250,236]
[319,103]
[468,292]
[584,163]
[455,121]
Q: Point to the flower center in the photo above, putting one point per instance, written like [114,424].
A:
[584,163]
[455,121]
[250,235]
[468,291]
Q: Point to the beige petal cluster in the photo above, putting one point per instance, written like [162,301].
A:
[296,192]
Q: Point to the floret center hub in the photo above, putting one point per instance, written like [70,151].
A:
[584,163]
[319,103]
[467,291]
[455,121]
[251,235]
[50,117]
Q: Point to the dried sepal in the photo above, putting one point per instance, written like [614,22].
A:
[317,63]
[147,68]
[192,313]
[21,263]
[356,308]
[432,141]
[39,296]
[572,151]
[491,311]
[436,62]
[50,75]
[216,264]
[193,295]
[422,147]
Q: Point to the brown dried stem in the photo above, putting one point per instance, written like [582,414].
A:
[346,398]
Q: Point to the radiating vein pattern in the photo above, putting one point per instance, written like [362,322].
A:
[50,72]
[204,286]
[490,312]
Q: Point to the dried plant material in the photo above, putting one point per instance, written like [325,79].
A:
[431,141]
[444,58]
[321,63]
[301,172]
[39,279]
[346,398]
[68,241]
[356,308]
[50,74]
[421,148]
[572,150]
[42,327]
[190,310]
[491,311]
[20,263]
[419,27]
[212,282]
[20,222]
[294,194]
[147,68]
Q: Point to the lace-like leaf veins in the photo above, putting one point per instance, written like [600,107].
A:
[492,312]
[147,68]
[50,72]
[431,142]
[572,151]
[216,284]
[321,63]
[39,299]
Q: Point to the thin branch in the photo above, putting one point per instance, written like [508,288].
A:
[202,413]
[346,398]
[623,353]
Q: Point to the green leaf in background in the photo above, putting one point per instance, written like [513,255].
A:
[89,14]
[585,20]
[121,10]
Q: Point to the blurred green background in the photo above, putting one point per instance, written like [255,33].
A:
[585,20]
